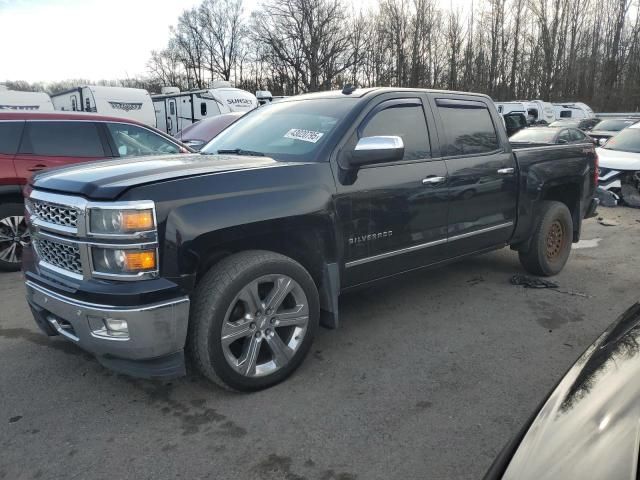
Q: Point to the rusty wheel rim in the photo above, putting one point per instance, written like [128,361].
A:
[555,240]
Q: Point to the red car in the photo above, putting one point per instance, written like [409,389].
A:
[30,142]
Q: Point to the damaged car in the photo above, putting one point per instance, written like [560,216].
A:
[619,171]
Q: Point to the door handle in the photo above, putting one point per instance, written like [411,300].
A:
[37,168]
[506,171]
[433,180]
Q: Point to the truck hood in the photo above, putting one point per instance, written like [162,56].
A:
[590,425]
[110,178]
[618,160]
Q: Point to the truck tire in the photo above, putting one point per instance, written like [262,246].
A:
[551,242]
[253,318]
[13,236]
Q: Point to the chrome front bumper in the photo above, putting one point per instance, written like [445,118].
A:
[154,331]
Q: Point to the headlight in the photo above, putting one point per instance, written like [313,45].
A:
[123,261]
[109,221]
[602,141]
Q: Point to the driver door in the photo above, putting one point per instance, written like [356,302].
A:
[393,215]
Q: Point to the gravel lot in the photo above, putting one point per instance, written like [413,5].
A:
[428,377]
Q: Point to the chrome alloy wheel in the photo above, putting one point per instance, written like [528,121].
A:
[14,235]
[265,325]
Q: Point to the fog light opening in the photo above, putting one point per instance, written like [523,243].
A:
[116,327]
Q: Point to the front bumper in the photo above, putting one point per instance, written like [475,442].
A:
[156,332]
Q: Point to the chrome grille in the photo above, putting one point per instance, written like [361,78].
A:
[55,214]
[59,255]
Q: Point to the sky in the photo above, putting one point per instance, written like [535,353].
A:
[50,40]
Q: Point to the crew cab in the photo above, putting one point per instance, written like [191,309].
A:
[33,141]
[237,254]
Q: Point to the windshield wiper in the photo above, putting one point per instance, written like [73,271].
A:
[240,151]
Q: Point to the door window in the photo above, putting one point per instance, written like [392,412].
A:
[468,128]
[404,121]
[131,140]
[203,109]
[74,104]
[63,139]
[577,136]
[564,137]
[10,133]
[172,108]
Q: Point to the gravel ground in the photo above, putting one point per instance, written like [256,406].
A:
[427,377]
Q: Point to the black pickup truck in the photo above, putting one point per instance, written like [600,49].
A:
[237,254]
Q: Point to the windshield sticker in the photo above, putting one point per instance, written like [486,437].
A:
[304,135]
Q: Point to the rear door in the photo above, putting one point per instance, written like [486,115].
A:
[10,135]
[482,174]
[394,215]
[47,144]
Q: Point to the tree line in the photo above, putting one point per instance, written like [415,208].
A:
[556,50]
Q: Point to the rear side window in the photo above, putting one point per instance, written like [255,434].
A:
[468,128]
[10,133]
[403,121]
[577,135]
[565,136]
[63,139]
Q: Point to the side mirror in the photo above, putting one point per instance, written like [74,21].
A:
[562,141]
[371,150]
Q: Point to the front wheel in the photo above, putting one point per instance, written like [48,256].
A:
[551,242]
[254,316]
[14,236]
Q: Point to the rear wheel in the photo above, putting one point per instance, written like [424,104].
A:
[14,236]
[551,242]
[253,319]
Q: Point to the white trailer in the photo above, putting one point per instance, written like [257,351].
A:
[175,110]
[12,100]
[575,110]
[133,103]
[534,110]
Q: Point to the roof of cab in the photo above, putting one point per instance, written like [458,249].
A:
[26,115]
[362,92]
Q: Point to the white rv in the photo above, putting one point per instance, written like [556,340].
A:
[24,101]
[175,110]
[133,103]
[576,110]
[534,110]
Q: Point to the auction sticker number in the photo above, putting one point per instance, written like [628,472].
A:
[304,135]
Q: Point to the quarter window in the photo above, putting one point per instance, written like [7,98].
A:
[407,122]
[63,139]
[468,128]
[131,140]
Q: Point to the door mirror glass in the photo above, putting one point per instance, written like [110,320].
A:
[380,149]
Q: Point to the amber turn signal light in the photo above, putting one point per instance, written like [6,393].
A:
[137,220]
[138,260]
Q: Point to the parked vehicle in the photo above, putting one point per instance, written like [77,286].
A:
[297,201]
[176,110]
[31,141]
[550,135]
[589,425]
[534,110]
[620,165]
[610,127]
[130,103]
[514,122]
[11,100]
[197,135]
[584,124]
[572,110]
[264,97]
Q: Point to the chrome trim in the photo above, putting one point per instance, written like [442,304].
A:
[506,171]
[109,308]
[433,180]
[55,324]
[393,253]
[360,261]
[480,232]
[85,240]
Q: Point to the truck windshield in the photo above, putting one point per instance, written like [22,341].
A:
[534,135]
[615,125]
[626,141]
[289,131]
